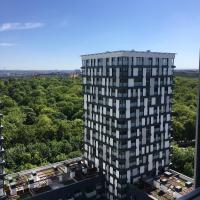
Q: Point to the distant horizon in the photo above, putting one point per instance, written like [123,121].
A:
[72,69]
[40,69]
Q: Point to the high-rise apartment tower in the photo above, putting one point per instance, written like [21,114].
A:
[127,119]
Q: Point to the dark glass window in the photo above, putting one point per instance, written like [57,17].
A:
[87,63]
[157,61]
[140,71]
[150,61]
[132,61]
[165,61]
[125,60]
[113,61]
[100,61]
[139,60]
[119,61]
[107,61]
[84,63]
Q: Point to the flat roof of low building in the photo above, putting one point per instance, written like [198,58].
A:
[53,176]
[168,185]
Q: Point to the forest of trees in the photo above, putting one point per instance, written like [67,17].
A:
[184,119]
[184,108]
[43,121]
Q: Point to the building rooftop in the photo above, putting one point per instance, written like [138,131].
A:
[169,185]
[166,186]
[31,182]
[129,52]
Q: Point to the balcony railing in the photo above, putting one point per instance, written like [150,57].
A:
[122,126]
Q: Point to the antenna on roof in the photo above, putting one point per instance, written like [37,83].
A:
[197,145]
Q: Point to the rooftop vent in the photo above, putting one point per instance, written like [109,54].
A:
[163,180]
[188,184]
[55,168]
[30,180]
[168,174]
[34,173]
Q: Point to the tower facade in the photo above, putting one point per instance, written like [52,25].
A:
[127,119]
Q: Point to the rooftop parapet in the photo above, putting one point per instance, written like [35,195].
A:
[168,185]
[53,176]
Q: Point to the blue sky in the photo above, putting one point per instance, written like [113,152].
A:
[52,34]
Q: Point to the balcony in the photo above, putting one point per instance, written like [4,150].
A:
[122,116]
[100,101]
[122,126]
[99,74]
[138,84]
[123,136]
[133,104]
[132,164]
[87,91]
[132,115]
[122,105]
[133,134]
[122,166]
[133,124]
[113,84]
[122,157]
[88,82]
[113,134]
[122,95]
[123,84]
[108,113]
[123,146]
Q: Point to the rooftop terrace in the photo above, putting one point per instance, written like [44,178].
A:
[32,182]
[166,186]
[169,185]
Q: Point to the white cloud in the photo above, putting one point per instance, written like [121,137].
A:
[20,26]
[6,44]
